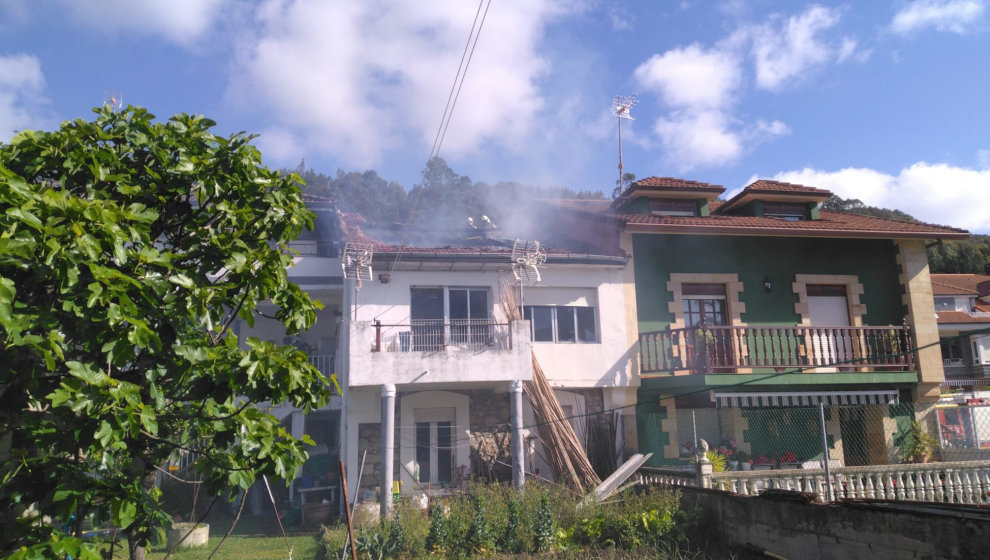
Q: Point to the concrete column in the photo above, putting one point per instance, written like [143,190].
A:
[518,444]
[704,471]
[921,315]
[388,447]
[297,428]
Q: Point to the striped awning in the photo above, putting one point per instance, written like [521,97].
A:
[964,382]
[804,398]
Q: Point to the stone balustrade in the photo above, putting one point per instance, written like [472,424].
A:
[964,482]
[667,477]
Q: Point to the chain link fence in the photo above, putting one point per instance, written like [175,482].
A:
[855,435]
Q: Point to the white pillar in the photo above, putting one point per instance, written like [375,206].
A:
[297,428]
[518,445]
[388,447]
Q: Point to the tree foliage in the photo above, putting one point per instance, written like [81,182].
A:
[443,199]
[967,256]
[127,249]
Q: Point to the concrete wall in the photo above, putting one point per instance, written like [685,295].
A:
[449,365]
[838,532]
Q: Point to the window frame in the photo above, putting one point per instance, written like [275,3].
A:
[555,327]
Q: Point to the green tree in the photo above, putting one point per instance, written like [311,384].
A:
[128,247]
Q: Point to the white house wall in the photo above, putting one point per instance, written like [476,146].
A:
[608,363]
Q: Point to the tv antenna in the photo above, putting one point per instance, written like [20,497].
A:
[527,258]
[621,106]
[356,265]
[114,100]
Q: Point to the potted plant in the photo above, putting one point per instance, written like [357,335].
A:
[914,443]
[762,463]
[787,460]
[745,460]
[717,460]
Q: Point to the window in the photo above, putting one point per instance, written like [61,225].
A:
[442,316]
[945,304]
[704,304]
[669,207]
[559,323]
[784,211]
[434,450]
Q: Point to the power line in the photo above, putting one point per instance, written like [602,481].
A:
[798,370]
[455,91]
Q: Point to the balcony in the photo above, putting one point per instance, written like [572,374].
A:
[730,349]
[437,335]
[453,351]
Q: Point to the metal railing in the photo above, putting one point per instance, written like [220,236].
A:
[430,335]
[724,349]
[326,363]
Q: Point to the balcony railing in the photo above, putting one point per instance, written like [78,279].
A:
[727,349]
[325,363]
[435,335]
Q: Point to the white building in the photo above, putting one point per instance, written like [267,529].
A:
[425,340]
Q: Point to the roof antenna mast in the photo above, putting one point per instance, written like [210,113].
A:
[114,100]
[621,106]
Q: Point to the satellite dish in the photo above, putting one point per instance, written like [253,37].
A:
[356,261]
[527,258]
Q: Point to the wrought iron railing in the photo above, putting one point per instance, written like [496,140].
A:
[430,335]
[726,349]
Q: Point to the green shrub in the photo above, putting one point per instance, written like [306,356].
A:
[437,538]
[330,542]
[546,532]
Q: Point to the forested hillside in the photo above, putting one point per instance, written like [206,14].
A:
[443,198]
[968,256]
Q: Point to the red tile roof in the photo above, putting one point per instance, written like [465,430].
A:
[766,185]
[676,184]
[958,284]
[954,317]
[829,224]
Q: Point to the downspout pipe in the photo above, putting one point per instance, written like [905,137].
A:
[388,447]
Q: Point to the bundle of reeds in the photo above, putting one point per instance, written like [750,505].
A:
[563,450]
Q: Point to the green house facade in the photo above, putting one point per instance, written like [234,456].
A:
[752,311]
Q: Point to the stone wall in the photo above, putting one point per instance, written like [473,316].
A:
[848,531]
[370,439]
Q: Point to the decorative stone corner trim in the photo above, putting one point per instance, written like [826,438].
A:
[733,287]
[854,289]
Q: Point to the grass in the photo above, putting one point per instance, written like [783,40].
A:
[245,547]
[254,538]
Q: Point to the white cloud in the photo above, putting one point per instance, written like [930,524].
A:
[784,50]
[354,78]
[932,192]
[701,86]
[21,86]
[621,19]
[181,21]
[692,77]
[956,16]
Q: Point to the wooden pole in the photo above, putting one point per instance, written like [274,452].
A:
[347,510]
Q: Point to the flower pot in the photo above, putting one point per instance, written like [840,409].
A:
[746,466]
[733,465]
[199,535]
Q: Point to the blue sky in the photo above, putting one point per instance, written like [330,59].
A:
[885,101]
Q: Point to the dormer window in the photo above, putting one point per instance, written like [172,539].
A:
[785,211]
[673,207]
